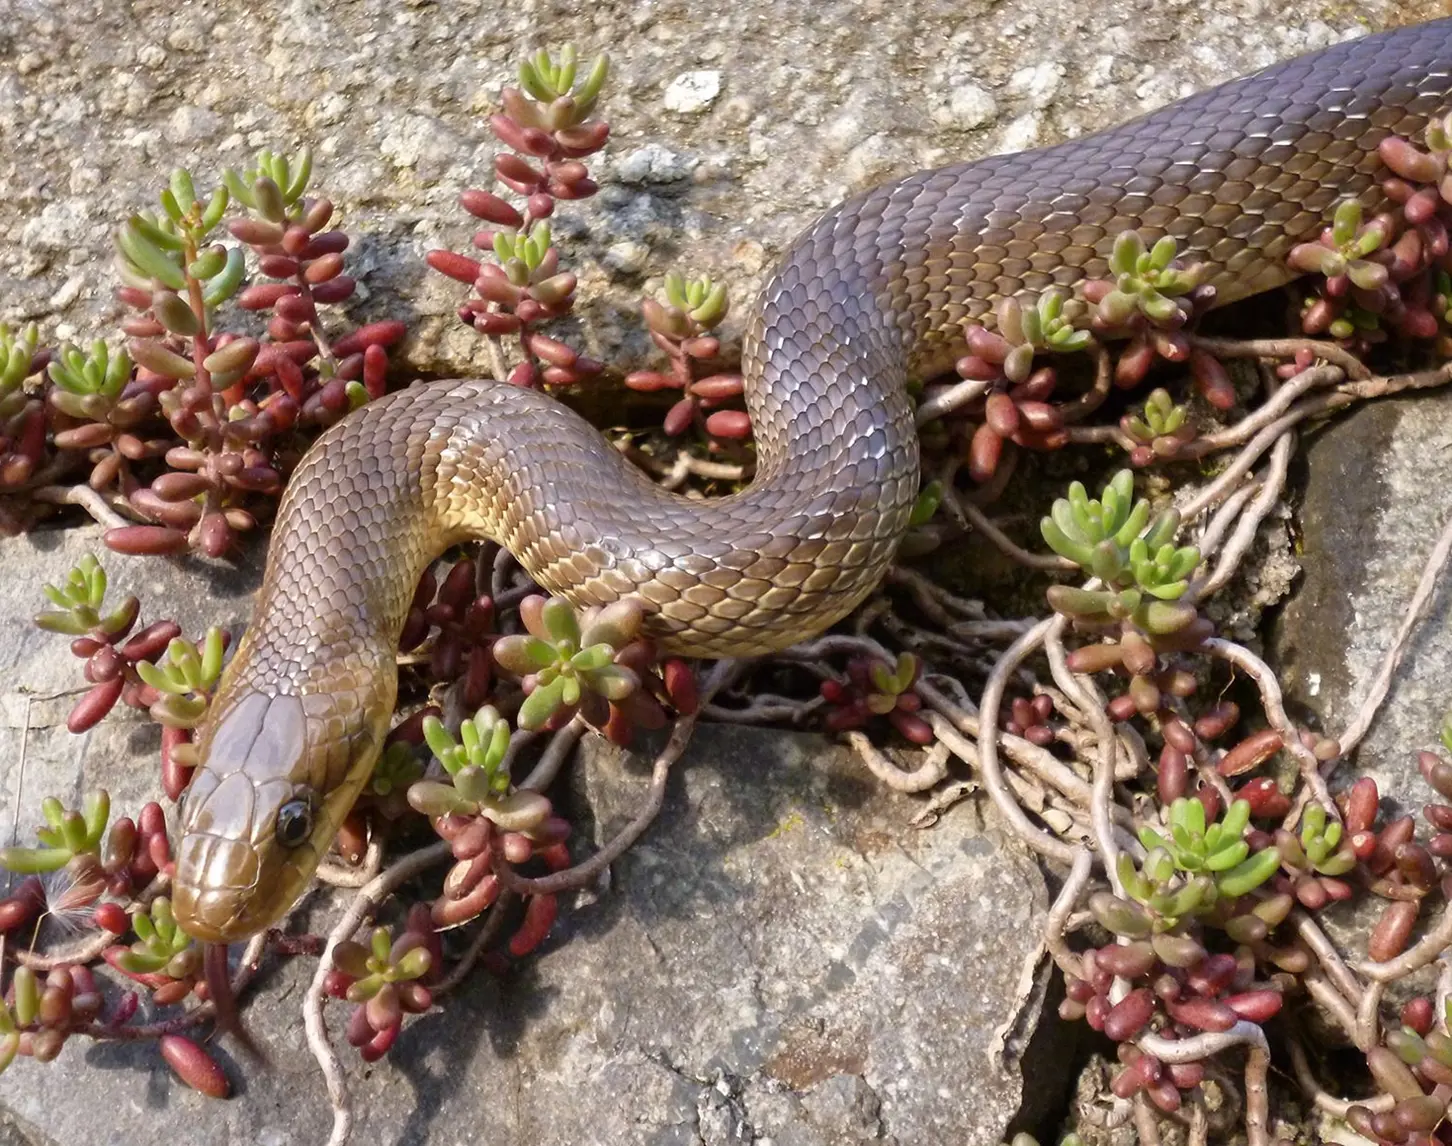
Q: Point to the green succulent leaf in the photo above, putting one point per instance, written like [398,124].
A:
[1249,874]
[1079,552]
[541,704]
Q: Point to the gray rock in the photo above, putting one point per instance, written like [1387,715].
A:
[654,164]
[780,958]
[43,680]
[1371,514]
[1369,521]
[395,100]
[968,106]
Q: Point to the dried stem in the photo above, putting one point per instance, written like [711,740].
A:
[1368,1017]
[1271,485]
[1146,1125]
[1282,348]
[988,764]
[1204,1045]
[364,904]
[944,401]
[1331,962]
[1068,898]
[1081,690]
[1336,1107]
[493,925]
[1257,1095]
[348,875]
[583,873]
[970,517]
[1084,405]
[84,496]
[1332,1000]
[555,754]
[934,766]
[1426,589]
[1271,700]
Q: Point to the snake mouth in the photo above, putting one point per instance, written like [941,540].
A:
[215,895]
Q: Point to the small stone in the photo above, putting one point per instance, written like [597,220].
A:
[417,141]
[84,179]
[59,226]
[68,293]
[627,258]
[737,111]
[190,124]
[151,56]
[842,134]
[187,36]
[749,255]
[968,107]
[1021,133]
[327,110]
[870,162]
[691,92]
[1040,83]
[655,164]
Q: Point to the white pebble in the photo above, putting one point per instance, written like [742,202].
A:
[968,106]
[692,91]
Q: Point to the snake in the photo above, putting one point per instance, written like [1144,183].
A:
[875,294]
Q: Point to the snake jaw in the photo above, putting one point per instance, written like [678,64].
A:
[233,877]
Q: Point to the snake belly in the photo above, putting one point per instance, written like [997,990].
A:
[880,287]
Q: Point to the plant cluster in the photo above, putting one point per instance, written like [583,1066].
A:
[598,664]
[189,429]
[387,978]
[874,688]
[546,125]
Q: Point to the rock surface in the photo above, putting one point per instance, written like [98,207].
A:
[732,128]
[781,960]
[1374,504]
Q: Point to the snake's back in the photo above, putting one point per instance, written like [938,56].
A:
[881,286]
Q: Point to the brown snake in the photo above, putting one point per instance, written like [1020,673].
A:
[878,289]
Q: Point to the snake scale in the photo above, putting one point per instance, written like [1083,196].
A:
[877,289]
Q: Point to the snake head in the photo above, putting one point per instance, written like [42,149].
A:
[277,774]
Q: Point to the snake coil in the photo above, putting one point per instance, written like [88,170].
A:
[880,287]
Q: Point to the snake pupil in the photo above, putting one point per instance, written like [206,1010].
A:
[294,823]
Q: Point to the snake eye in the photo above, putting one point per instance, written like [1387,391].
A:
[294,823]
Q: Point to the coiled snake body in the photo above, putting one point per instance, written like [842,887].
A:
[879,288]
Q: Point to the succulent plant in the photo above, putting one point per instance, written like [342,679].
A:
[681,322]
[68,833]
[874,688]
[569,663]
[43,1012]
[1147,282]
[386,978]
[1160,432]
[382,963]
[161,945]
[480,783]
[1344,248]
[1219,849]
[17,355]
[1114,539]
[78,603]
[185,679]
[545,121]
